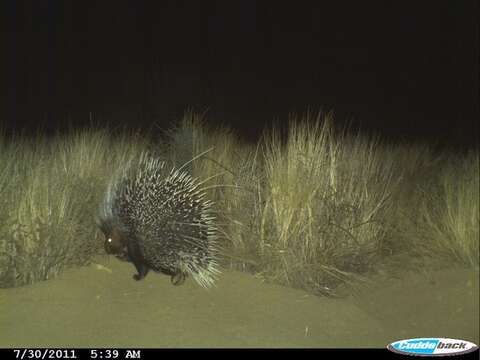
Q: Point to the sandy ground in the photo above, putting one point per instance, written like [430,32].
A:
[102,306]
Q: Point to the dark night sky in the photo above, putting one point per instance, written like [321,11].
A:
[400,67]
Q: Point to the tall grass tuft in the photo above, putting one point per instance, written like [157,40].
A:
[222,162]
[50,188]
[326,199]
[448,226]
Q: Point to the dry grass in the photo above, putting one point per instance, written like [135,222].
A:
[50,190]
[313,210]
[449,213]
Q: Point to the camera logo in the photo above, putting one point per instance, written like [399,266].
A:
[432,347]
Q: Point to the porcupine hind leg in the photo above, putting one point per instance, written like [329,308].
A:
[178,278]
[136,258]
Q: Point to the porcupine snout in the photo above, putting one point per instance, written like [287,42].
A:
[113,243]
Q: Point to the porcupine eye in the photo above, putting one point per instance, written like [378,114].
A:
[109,246]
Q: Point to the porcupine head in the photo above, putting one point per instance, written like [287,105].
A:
[115,242]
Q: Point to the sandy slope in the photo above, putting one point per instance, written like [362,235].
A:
[101,306]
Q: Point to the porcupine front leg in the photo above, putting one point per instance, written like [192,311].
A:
[142,270]
[137,260]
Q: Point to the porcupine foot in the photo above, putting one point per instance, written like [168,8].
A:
[178,278]
[142,271]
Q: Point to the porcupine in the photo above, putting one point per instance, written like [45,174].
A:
[160,220]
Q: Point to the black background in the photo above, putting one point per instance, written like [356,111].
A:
[401,68]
